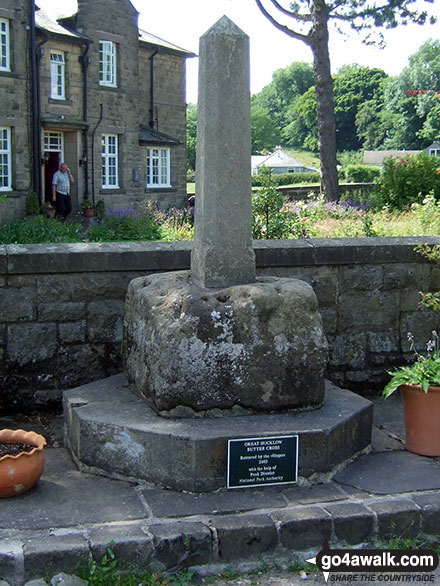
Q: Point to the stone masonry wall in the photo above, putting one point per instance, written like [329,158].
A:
[62,306]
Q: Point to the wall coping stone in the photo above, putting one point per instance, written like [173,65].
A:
[16,259]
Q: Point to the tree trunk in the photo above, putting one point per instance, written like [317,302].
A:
[324,96]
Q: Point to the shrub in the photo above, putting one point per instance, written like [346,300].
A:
[269,220]
[32,204]
[39,229]
[123,224]
[361,173]
[407,180]
[100,209]
[288,178]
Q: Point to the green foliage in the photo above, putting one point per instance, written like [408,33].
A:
[265,134]
[432,253]
[354,85]
[425,371]
[32,204]
[124,224]
[287,84]
[87,204]
[99,572]
[404,180]
[191,136]
[100,209]
[288,178]
[269,221]
[361,173]
[38,229]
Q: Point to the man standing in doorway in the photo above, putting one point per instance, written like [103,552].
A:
[61,191]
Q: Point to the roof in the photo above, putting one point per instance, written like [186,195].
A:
[46,21]
[377,157]
[151,39]
[278,159]
[148,135]
[51,20]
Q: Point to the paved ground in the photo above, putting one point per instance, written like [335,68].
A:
[71,515]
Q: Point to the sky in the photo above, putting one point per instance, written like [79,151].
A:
[183,22]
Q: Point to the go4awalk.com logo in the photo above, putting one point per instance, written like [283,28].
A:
[377,565]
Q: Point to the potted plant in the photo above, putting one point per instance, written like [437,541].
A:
[21,460]
[49,209]
[87,208]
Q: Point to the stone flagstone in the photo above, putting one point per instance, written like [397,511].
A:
[222,254]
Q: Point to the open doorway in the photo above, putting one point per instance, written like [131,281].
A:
[52,162]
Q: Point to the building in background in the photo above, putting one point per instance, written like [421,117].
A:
[96,92]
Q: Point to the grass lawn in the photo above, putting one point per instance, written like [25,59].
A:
[308,158]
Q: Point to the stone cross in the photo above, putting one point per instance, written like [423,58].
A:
[222,255]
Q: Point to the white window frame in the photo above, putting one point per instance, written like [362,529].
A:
[57,75]
[110,161]
[434,152]
[5,158]
[53,142]
[158,167]
[5,45]
[107,64]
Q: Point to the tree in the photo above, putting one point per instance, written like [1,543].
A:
[265,134]
[287,84]
[311,18]
[191,136]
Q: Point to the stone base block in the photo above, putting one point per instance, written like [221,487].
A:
[258,346]
[110,429]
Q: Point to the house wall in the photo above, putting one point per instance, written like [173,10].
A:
[125,107]
[170,105]
[15,103]
[62,306]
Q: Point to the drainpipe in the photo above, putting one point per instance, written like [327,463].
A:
[35,104]
[152,56]
[93,153]
[84,59]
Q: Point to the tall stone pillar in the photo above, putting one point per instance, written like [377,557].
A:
[223,254]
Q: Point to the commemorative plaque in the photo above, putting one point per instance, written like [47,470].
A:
[262,461]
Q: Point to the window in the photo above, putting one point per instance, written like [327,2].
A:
[158,167]
[57,76]
[5,159]
[5,64]
[434,152]
[53,142]
[110,161]
[107,63]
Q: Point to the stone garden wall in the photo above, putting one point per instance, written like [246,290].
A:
[62,306]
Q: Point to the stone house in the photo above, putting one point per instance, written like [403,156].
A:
[97,92]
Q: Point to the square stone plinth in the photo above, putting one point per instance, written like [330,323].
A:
[259,346]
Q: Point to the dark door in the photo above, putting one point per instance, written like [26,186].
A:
[51,165]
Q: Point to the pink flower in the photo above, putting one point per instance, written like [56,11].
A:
[303,219]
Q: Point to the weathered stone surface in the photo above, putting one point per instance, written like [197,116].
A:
[244,536]
[41,342]
[16,304]
[352,522]
[11,558]
[430,510]
[113,429]
[63,579]
[398,518]
[47,554]
[182,543]
[304,527]
[132,547]
[259,346]
[222,254]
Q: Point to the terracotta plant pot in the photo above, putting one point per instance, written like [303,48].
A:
[88,212]
[20,473]
[50,212]
[422,419]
